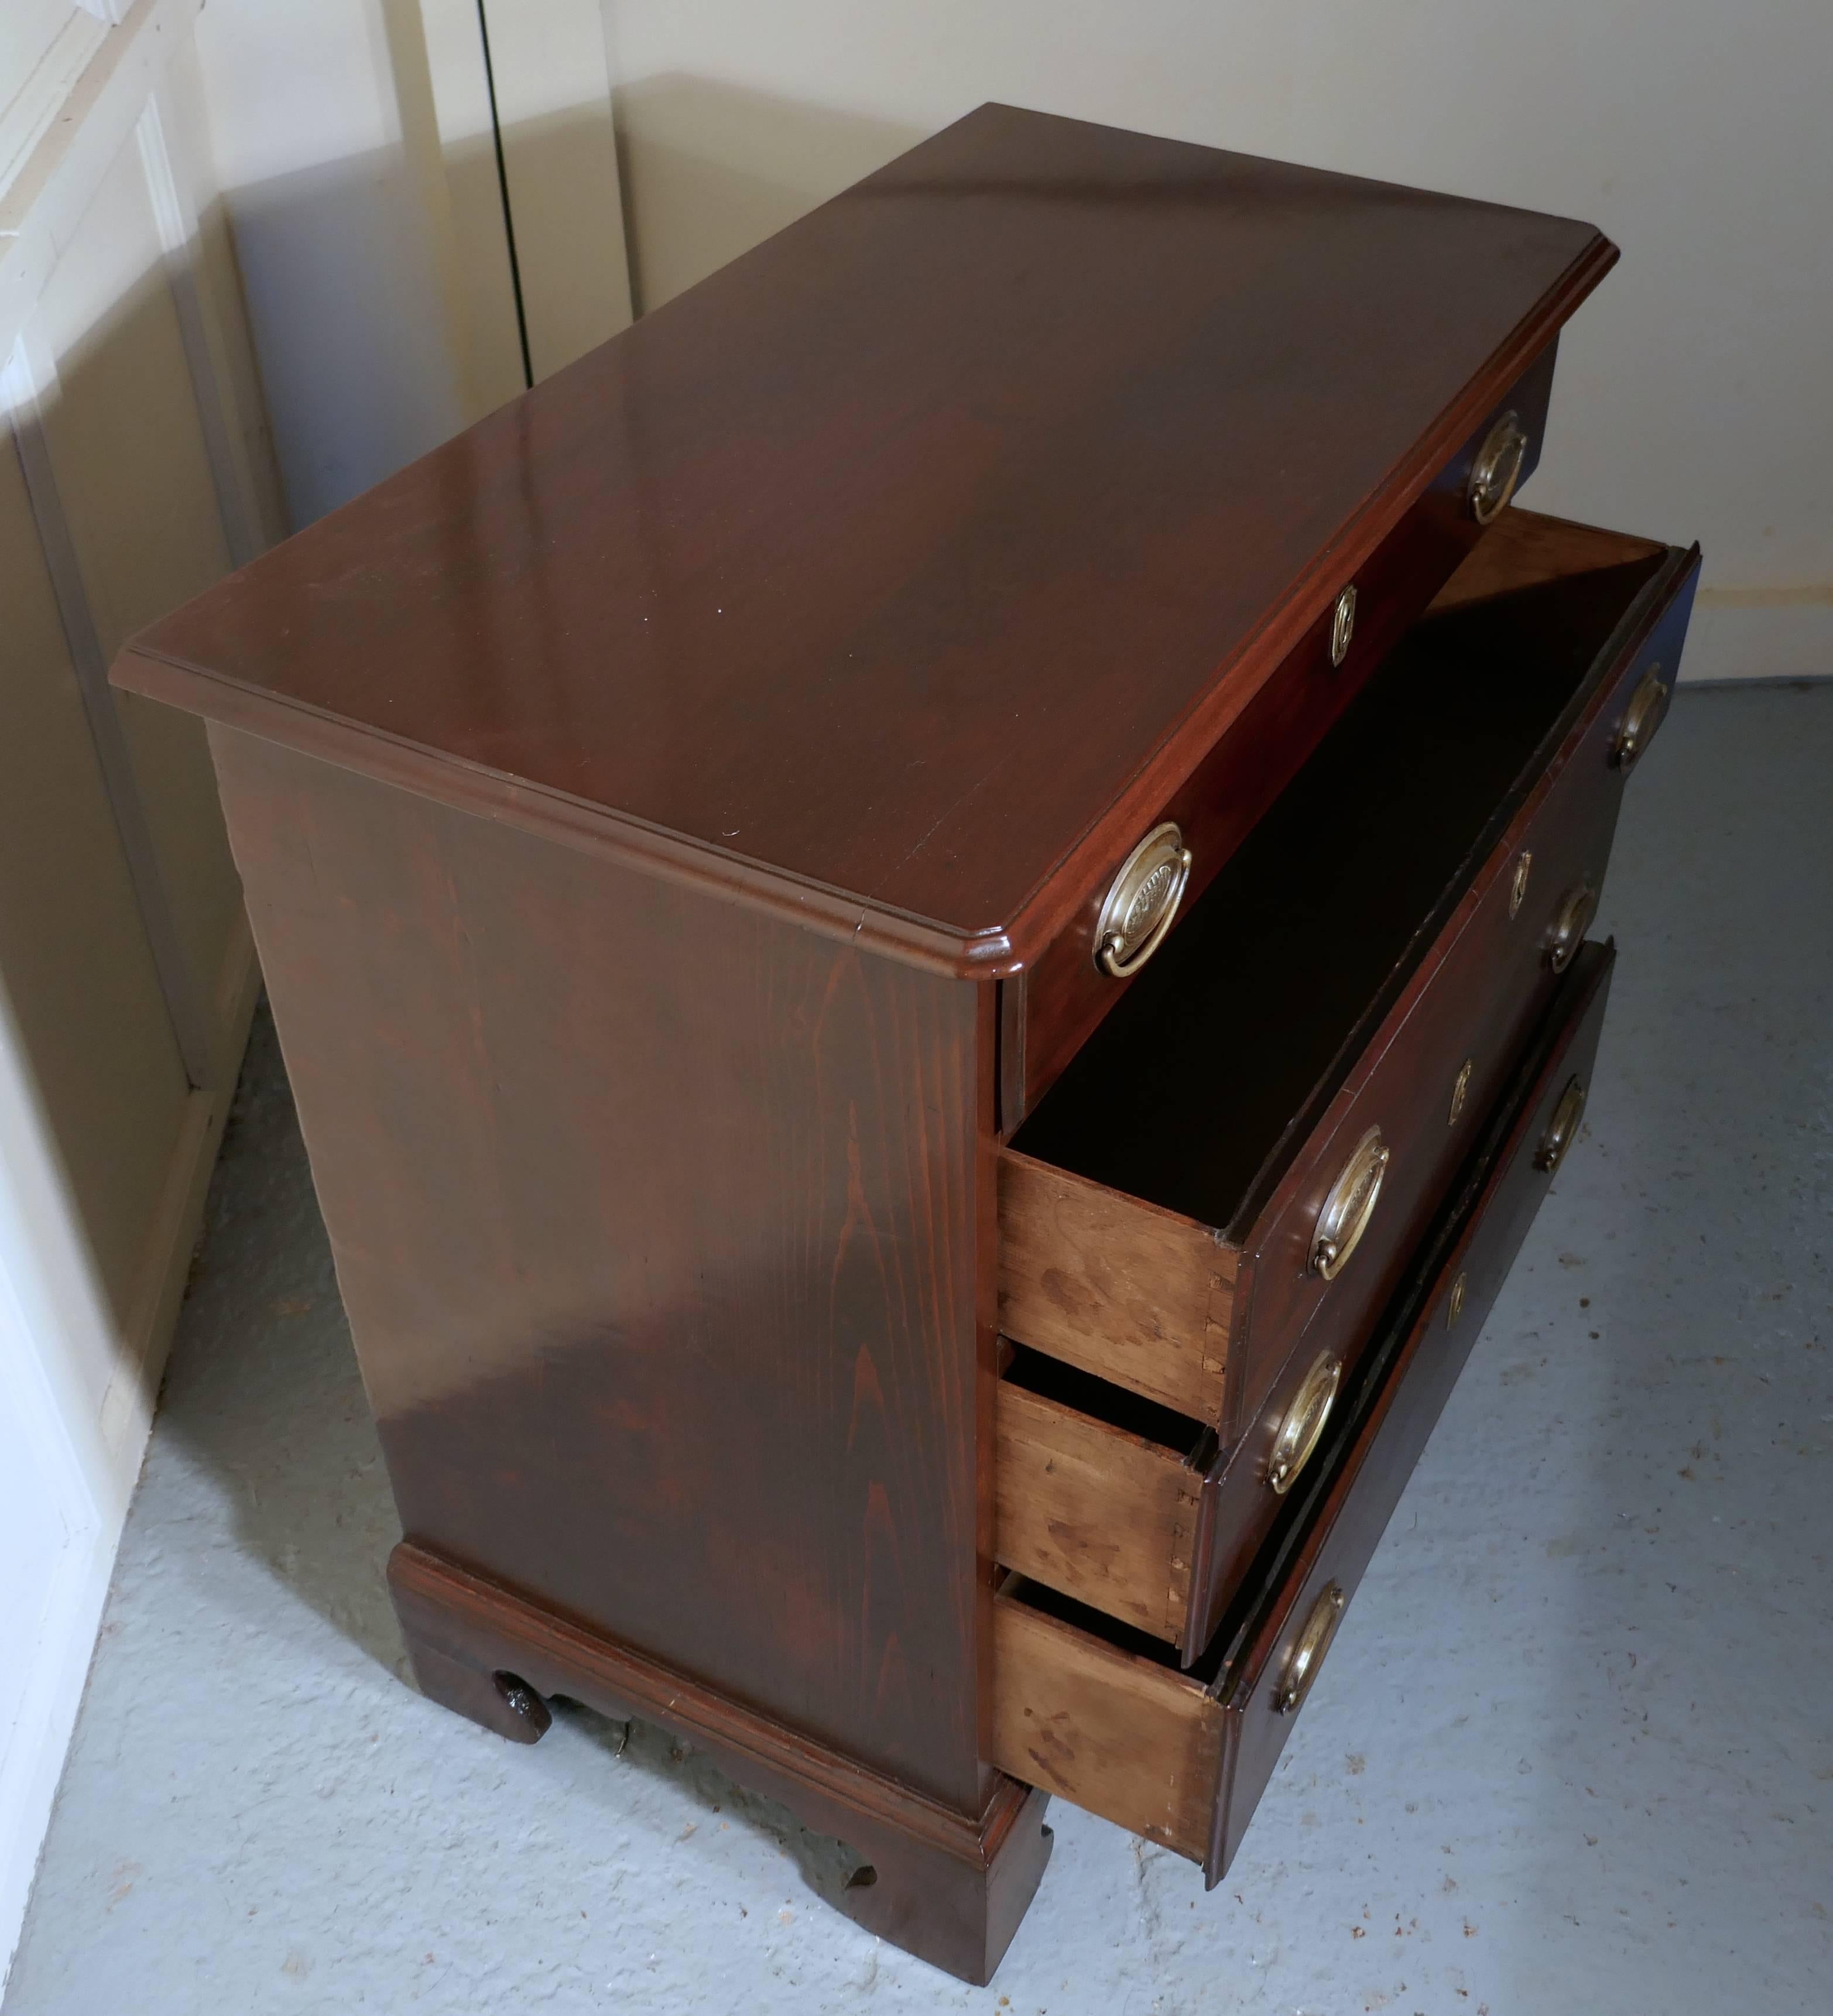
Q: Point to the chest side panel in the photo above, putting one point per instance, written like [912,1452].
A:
[657,1221]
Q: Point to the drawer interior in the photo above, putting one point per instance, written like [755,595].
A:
[1196,1088]
[1057,1384]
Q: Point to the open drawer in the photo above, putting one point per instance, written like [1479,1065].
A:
[1125,1505]
[1101,1714]
[1227,1182]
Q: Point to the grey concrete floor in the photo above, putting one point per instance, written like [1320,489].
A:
[1572,1751]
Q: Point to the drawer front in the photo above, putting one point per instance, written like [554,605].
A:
[1241,1502]
[1097,1716]
[1352,1506]
[1441,1057]
[1047,1014]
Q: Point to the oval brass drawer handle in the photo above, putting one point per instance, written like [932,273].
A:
[1302,1429]
[1142,901]
[1342,625]
[1570,926]
[1517,886]
[1497,468]
[1314,1640]
[1646,710]
[1562,1128]
[1460,1090]
[1349,1206]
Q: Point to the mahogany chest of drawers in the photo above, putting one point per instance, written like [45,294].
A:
[929,920]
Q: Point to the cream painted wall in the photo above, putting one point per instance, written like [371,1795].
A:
[1692,399]
[353,153]
[322,131]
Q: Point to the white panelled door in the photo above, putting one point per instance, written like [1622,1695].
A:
[133,472]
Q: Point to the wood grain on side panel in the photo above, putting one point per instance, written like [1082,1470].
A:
[656,1219]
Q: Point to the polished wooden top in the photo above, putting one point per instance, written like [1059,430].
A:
[882,576]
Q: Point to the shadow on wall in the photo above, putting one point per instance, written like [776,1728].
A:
[123,519]
[343,290]
[374,347]
[75,965]
[709,171]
